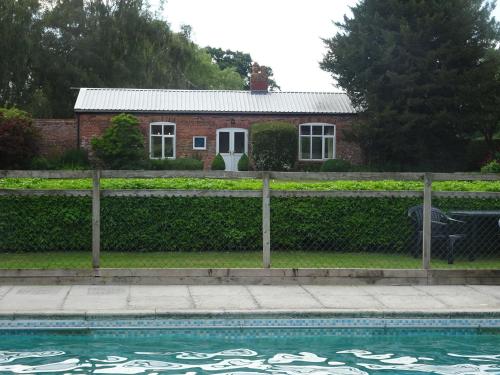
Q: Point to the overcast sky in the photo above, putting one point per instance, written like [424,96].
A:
[283,34]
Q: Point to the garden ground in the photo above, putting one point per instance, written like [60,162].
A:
[279,259]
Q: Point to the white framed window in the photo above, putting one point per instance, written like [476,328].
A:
[162,140]
[317,141]
[199,142]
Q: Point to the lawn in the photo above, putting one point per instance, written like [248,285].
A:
[280,259]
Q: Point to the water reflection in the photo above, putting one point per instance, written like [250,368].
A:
[245,361]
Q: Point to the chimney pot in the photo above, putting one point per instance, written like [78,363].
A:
[258,78]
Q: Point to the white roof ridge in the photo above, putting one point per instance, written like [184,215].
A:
[230,91]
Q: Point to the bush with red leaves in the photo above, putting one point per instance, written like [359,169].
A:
[18,139]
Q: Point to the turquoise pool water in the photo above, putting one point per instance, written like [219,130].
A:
[251,351]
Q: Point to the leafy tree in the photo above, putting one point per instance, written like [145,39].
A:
[20,31]
[411,66]
[122,144]
[99,43]
[241,62]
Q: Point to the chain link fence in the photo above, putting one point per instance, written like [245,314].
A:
[53,229]
[470,235]
[343,232]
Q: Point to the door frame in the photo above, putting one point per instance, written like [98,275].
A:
[231,132]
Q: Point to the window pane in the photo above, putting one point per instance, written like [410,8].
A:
[223,142]
[317,130]
[329,151]
[316,147]
[305,147]
[156,129]
[168,129]
[199,142]
[239,142]
[329,130]
[169,147]
[305,130]
[156,147]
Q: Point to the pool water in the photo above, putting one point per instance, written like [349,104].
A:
[251,351]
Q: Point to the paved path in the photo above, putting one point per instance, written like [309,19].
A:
[145,299]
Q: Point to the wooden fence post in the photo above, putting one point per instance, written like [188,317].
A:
[426,227]
[96,218]
[266,222]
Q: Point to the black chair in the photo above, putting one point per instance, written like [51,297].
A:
[444,229]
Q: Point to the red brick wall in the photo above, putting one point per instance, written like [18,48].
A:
[56,135]
[189,125]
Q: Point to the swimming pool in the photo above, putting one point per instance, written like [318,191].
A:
[318,346]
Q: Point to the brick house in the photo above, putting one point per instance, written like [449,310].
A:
[202,123]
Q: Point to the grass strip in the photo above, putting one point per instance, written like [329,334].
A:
[280,259]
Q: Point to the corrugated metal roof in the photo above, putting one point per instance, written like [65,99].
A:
[210,101]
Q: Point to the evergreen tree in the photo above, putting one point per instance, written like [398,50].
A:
[411,66]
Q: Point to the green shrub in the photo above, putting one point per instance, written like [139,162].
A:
[42,163]
[76,158]
[336,165]
[244,163]
[176,164]
[218,163]
[18,139]
[274,145]
[60,223]
[492,167]
[122,145]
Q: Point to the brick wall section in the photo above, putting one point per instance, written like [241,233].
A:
[56,135]
[189,125]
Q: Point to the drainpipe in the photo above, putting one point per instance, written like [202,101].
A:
[78,131]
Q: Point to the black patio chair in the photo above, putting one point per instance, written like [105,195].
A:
[444,229]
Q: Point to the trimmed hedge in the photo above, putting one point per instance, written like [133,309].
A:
[45,223]
[184,164]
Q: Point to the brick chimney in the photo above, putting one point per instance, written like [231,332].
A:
[258,79]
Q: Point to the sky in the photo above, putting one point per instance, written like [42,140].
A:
[283,34]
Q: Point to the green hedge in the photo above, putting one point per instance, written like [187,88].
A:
[30,224]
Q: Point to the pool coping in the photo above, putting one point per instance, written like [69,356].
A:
[177,321]
[243,320]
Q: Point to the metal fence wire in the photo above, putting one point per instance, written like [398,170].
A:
[469,236]
[41,231]
[181,232]
[343,232]
[140,228]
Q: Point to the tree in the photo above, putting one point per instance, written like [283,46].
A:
[20,33]
[47,50]
[411,65]
[241,62]
[486,97]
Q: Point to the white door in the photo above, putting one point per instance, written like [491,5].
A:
[232,143]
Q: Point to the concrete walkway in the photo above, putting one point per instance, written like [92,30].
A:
[145,299]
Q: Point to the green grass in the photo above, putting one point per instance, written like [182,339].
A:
[241,184]
[280,259]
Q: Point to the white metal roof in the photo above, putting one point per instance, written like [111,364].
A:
[210,101]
